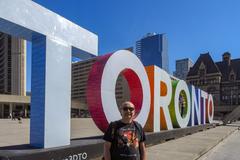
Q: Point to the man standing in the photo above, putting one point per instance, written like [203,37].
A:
[124,139]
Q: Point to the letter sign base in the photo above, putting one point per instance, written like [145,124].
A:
[87,148]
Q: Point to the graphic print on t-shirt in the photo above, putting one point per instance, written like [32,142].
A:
[127,137]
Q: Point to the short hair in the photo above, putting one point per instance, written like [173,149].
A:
[127,103]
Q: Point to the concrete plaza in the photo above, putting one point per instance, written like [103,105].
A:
[14,133]
[221,142]
[193,146]
[228,149]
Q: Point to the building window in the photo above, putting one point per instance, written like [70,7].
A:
[232,78]
[202,72]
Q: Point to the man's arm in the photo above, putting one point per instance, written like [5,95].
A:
[142,151]
[107,146]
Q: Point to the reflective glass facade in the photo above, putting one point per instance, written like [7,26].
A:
[153,50]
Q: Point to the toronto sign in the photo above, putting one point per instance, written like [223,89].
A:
[155,95]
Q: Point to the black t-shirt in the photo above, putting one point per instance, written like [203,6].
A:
[125,139]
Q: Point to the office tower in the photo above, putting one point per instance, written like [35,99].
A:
[12,65]
[129,49]
[153,50]
[182,68]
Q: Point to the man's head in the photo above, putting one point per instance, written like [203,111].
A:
[127,110]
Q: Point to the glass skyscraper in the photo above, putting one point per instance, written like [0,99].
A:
[153,50]
[182,68]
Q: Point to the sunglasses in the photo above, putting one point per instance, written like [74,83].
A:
[128,108]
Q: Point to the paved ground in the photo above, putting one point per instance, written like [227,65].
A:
[195,146]
[13,133]
[222,142]
[228,149]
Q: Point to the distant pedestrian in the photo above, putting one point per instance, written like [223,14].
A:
[181,101]
[19,118]
[13,116]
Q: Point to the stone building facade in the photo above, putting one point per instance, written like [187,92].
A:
[221,79]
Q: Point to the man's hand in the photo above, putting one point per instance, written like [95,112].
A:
[107,146]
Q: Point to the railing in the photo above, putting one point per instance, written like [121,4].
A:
[234,115]
[225,108]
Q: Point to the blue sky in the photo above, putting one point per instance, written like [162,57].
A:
[192,26]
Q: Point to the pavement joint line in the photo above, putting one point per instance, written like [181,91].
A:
[220,139]
[216,148]
[212,147]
